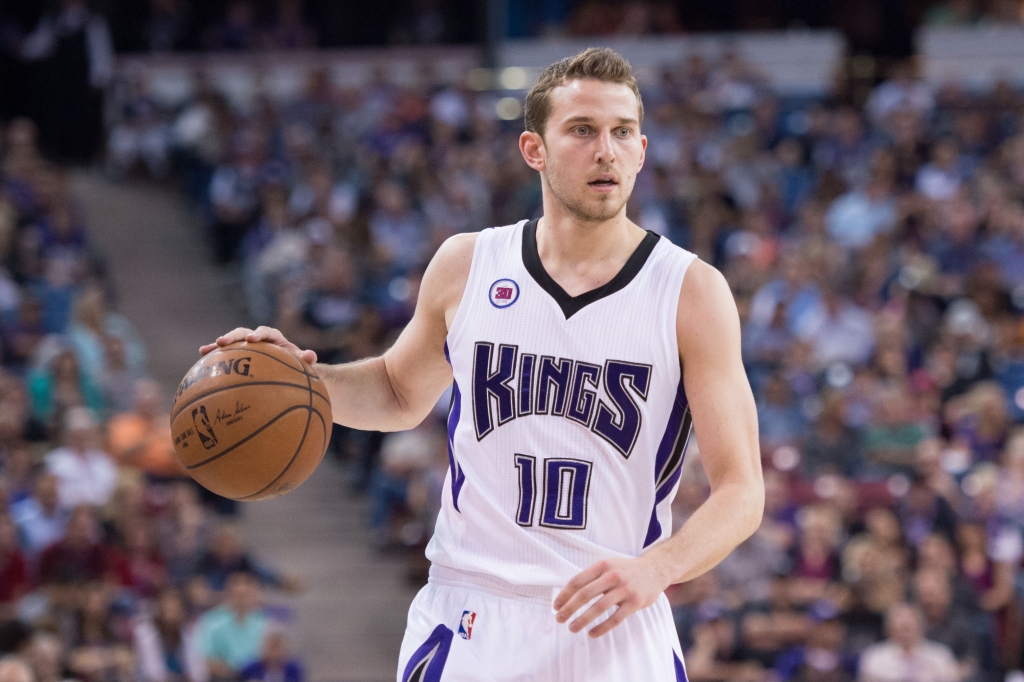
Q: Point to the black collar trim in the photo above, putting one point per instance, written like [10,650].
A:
[571,305]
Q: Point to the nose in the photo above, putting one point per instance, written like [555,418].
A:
[605,152]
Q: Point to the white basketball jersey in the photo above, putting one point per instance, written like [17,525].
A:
[568,422]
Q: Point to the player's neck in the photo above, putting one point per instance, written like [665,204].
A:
[584,256]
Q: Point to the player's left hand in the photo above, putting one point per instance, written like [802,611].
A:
[627,584]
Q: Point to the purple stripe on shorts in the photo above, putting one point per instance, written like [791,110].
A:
[427,662]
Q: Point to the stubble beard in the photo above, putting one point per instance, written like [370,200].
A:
[604,209]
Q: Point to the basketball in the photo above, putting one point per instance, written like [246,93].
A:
[251,421]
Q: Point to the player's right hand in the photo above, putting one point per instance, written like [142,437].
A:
[266,334]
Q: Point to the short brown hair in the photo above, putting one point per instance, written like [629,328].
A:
[597,63]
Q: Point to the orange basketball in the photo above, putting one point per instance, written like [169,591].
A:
[251,421]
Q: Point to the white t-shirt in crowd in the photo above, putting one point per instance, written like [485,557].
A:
[889,662]
[82,477]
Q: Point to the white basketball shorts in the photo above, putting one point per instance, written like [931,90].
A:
[471,627]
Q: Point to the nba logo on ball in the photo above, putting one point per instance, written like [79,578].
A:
[504,293]
[466,625]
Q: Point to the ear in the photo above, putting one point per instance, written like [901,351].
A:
[531,145]
[643,152]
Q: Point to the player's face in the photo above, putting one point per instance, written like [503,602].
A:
[592,148]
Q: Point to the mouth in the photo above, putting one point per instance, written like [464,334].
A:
[604,182]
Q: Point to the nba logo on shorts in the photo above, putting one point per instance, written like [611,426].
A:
[466,625]
[504,293]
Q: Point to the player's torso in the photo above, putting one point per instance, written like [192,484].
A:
[568,422]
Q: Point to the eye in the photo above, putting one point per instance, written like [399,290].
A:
[581,130]
[624,132]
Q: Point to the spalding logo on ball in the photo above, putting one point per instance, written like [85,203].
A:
[251,421]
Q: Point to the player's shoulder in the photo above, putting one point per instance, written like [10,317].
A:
[457,247]
[703,278]
[706,304]
[447,274]
[705,294]
[457,251]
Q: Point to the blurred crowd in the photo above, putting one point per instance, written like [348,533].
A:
[113,566]
[876,253]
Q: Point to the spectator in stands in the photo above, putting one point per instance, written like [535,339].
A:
[953,244]
[91,325]
[402,456]
[793,288]
[923,511]
[233,191]
[79,558]
[227,556]
[184,529]
[781,422]
[85,474]
[126,508]
[1005,242]
[906,654]
[874,564]
[60,387]
[946,624]
[22,332]
[747,573]
[146,570]
[165,642]
[901,93]
[838,331]
[118,381]
[832,445]
[15,581]
[940,179]
[325,294]
[40,518]
[816,564]
[822,656]
[1010,488]
[17,468]
[989,567]
[857,217]
[142,438]
[980,421]
[845,150]
[273,251]
[715,653]
[892,436]
[143,137]
[796,179]
[231,636]
[276,661]
[93,625]
[396,227]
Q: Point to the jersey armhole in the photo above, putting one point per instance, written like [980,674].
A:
[683,268]
[460,314]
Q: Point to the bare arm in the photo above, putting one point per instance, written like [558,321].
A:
[395,391]
[725,421]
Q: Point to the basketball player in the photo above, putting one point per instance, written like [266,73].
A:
[580,347]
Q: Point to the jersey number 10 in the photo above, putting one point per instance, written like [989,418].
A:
[563,497]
